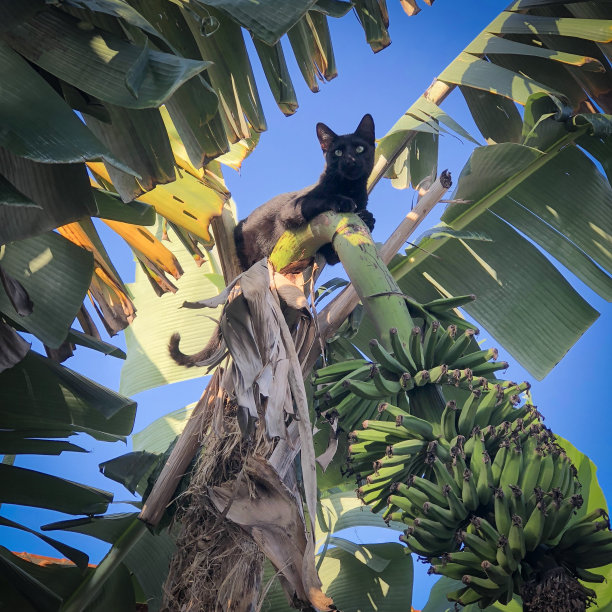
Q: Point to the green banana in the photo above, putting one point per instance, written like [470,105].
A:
[407,447]
[486,530]
[531,471]
[483,548]
[384,385]
[341,368]
[429,343]
[516,538]
[455,504]
[547,471]
[465,423]
[421,378]
[394,411]
[486,369]
[466,558]
[469,494]
[385,359]
[501,512]
[416,348]
[485,485]
[464,596]
[370,435]
[504,557]
[459,346]
[517,502]
[430,489]
[401,352]
[499,461]
[534,527]
[443,476]
[510,474]
[331,393]
[352,417]
[486,407]
[586,576]
[406,426]
[495,573]
[481,585]
[365,390]
[413,544]
[437,513]
[444,342]
[471,360]
[448,420]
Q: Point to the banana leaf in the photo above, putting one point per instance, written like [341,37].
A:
[149,364]
[349,578]
[147,556]
[139,138]
[61,401]
[39,125]
[56,274]
[95,61]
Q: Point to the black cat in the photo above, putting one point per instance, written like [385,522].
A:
[341,188]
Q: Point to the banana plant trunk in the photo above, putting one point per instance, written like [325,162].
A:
[379,293]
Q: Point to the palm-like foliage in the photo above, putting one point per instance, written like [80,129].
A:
[138,74]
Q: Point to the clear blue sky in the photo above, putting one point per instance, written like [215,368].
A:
[288,157]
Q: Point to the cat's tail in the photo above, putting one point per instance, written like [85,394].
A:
[209,355]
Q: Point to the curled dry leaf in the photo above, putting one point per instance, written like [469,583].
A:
[16,293]
[270,513]
[13,348]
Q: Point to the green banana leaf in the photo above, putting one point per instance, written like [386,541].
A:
[353,583]
[161,433]
[62,401]
[230,73]
[277,74]
[111,207]
[56,275]
[132,470]
[24,443]
[146,556]
[96,61]
[31,488]
[267,19]
[492,270]
[148,363]
[139,138]
[39,125]
[343,510]
[79,558]
[45,185]
[78,337]
[40,585]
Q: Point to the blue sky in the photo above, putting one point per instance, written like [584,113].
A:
[572,397]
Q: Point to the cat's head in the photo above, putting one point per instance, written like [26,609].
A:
[350,155]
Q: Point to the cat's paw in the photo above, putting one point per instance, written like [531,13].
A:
[343,203]
[368,218]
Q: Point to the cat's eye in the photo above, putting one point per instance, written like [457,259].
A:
[359,149]
[338,152]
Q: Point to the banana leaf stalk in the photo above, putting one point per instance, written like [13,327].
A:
[371,279]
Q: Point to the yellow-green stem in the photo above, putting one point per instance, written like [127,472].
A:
[376,288]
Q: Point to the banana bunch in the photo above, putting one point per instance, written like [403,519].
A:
[486,494]
[350,390]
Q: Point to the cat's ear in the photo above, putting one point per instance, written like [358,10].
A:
[325,136]
[365,129]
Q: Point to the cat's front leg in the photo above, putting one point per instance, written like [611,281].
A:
[368,218]
[342,203]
